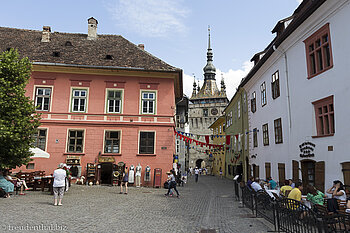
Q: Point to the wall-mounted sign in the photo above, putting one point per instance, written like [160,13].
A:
[307,149]
[106,159]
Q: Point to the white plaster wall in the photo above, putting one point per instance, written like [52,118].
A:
[303,92]
[274,109]
[332,82]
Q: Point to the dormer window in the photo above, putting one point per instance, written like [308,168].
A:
[109,57]
[56,54]
[68,43]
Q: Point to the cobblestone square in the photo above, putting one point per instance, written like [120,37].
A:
[208,204]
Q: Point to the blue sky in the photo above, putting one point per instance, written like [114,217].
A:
[172,30]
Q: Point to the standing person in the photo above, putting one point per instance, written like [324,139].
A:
[172,183]
[125,180]
[59,183]
[169,181]
[196,172]
[220,172]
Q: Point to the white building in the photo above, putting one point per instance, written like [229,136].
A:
[301,88]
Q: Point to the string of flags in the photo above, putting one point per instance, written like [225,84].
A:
[199,136]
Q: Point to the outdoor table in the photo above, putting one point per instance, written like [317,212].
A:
[47,181]
[305,201]
[270,191]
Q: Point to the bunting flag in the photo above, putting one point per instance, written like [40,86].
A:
[207,139]
[228,139]
[183,137]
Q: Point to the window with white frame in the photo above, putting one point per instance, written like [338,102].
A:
[263,94]
[148,102]
[253,102]
[42,98]
[75,141]
[114,101]
[265,129]
[177,146]
[79,100]
[40,139]
[112,142]
[255,137]
[275,85]
[239,109]
[244,102]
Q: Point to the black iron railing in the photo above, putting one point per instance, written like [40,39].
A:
[288,215]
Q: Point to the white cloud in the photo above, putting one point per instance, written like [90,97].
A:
[151,18]
[232,79]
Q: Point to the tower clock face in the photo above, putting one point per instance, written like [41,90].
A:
[214,111]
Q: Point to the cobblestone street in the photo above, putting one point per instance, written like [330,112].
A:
[208,204]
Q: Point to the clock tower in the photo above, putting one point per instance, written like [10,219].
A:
[206,105]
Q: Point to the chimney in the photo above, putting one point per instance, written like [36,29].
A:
[141,46]
[92,29]
[46,34]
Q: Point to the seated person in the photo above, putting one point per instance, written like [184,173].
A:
[271,183]
[249,182]
[291,183]
[6,185]
[337,190]
[17,182]
[315,196]
[255,185]
[285,187]
[348,205]
[295,194]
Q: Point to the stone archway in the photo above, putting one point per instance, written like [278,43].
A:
[199,163]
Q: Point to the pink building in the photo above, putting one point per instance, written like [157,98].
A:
[103,101]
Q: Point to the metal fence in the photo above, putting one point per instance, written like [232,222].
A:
[288,215]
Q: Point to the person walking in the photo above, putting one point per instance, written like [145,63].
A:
[59,178]
[220,172]
[172,183]
[196,172]
[125,180]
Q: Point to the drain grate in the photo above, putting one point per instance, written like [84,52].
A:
[207,231]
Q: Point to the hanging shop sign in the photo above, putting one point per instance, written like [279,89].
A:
[307,149]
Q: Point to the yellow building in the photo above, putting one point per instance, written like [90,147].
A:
[218,155]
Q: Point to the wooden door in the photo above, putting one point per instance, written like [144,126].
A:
[281,173]
[295,165]
[319,175]
[267,170]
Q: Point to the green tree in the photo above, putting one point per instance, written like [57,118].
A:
[18,119]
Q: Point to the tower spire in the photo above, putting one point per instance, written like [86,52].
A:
[209,37]
[194,92]
[209,69]
[223,86]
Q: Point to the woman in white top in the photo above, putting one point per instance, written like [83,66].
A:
[337,190]
[59,183]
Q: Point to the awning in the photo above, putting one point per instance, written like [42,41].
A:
[39,153]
